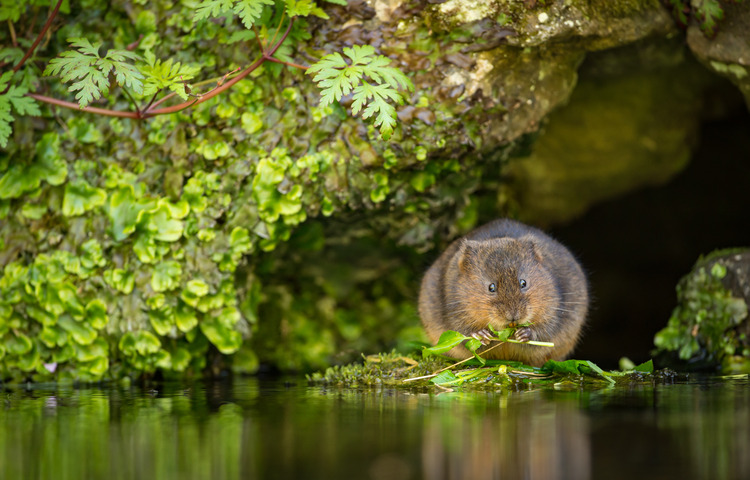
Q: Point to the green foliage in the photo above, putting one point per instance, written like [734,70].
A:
[211,235]
[249,11]
[407,371]
[14,97]
[708,13]
[336,78]
[702,328]
[159,75]
[92,70]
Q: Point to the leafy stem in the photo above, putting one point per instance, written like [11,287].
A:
[37,41]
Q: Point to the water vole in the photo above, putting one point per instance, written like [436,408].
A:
[507,273]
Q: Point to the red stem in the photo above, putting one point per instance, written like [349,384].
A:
[39,37]
[74,106]
[267,56]
[150,112]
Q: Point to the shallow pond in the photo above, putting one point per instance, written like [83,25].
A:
[252,428]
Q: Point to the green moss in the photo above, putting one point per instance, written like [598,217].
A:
[703,329]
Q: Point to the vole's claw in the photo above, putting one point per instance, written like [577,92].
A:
[481,335]
[522,334]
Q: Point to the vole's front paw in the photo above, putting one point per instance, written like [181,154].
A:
[484,335]
[522,334]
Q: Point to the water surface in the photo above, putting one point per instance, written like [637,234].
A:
[279,429]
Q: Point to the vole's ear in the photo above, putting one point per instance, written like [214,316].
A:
[466,250]
[530,244]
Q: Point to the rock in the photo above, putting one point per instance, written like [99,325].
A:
[709,328]
[728,54]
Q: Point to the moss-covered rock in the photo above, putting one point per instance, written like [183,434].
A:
[709,328]
[631,121]
[728,53]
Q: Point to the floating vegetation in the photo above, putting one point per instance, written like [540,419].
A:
[434,369]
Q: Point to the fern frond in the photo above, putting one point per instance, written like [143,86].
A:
[91,71]
[369,77]
[167,74]
[15,98]
[249,11]
[212,8]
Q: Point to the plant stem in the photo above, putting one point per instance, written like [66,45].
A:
[13,39]
[451,366]
[39,37]
[132,100]
[152,111]
[219,89]
[278,28]
[74,106]
[290,64]
[257,37]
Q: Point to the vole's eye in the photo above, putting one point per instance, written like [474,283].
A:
[493,288]
[523,283]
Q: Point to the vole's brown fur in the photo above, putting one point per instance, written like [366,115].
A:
[456,292]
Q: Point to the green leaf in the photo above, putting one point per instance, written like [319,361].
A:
[16,98]
[212,8]
[161,320]
[250,10]
[185,318]
[166,276]
[81,333]
[122,210]
[48,165]
[97,349]
[18,344]
[647,367]
[80,197]
[576,367]
[303,8]
[448,340]
[445,378]
[146,343]
[336,78]
[160,75]
[121,280]
[96,314]
[709,14]
[91,72]
[159,221]
[225,339]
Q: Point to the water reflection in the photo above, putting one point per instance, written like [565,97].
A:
[257,429]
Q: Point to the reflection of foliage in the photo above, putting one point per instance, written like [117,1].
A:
[708,13]
[702,328]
